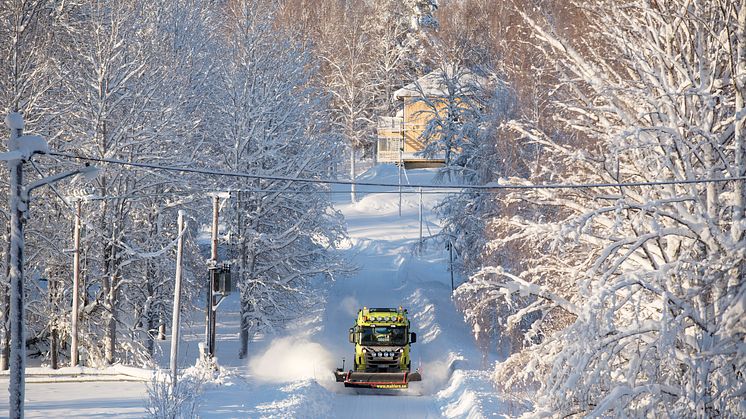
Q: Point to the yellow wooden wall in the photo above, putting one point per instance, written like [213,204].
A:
[416,116]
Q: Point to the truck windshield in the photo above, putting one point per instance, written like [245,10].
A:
[383,336]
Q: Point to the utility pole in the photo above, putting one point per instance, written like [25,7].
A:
[53,285]
[17,338]
[401,163]
[19,203]
[450,260]
[210,328]
[177,301]
[5,344]
[420,220]
[75,315]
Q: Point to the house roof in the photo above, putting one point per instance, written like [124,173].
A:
[434,84]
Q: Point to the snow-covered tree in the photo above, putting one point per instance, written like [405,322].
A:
[422,13]
[639,289]
[482,152]
[422,37]
[345,54]
[127,77]
[274,122]
[390,52]
[455,101]
[24,78]
[481,36]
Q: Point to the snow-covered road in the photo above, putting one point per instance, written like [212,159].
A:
[390,273]
[290,375]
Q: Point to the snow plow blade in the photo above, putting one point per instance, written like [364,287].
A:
[381,380]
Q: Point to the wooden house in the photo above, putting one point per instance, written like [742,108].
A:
[400,137]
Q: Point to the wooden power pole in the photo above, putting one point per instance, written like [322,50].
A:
[177,302]
[17,335]
[210,327]
[75,315]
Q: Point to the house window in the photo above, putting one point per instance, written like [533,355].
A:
[388,144]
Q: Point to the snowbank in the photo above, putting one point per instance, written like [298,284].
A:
[66,374]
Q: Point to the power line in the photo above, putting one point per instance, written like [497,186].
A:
[487,188]
[127,248]
[187,193]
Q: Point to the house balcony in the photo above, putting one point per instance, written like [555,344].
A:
[390,150]
[400,141]
[390,124]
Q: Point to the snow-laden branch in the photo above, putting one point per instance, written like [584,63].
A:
[516,285]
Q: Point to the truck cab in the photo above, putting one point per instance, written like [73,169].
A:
[382,340]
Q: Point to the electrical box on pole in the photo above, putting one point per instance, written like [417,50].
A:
[221,285]
[222,280]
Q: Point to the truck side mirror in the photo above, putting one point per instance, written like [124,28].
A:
[412,337]
[351,336]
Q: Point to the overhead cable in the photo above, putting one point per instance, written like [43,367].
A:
[491,187]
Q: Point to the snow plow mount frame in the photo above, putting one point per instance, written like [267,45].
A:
[376,380]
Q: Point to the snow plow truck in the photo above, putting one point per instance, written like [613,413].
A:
[382,342]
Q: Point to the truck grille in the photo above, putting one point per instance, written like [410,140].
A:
[375,363]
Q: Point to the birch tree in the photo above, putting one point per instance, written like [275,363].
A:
[24,78]
[639,289]
[345,54]
[391,51]
[455,99]
[273,119]
[125,98]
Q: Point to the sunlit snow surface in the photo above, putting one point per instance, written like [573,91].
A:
[389,274]
[290,375]
[81,400]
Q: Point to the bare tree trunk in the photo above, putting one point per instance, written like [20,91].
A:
[243,351]
[244,335]
[54,343]
[248,263]
[110,323]
[75,311]
[150,290]
[54,348]
[110,301]
[244,332]
[352,173]
[175,320]
[4,318]
[245,307]
[740,85]
[150,318]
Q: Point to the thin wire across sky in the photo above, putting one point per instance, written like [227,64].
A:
[427,188]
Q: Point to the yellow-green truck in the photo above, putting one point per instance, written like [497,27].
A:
[382,340]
